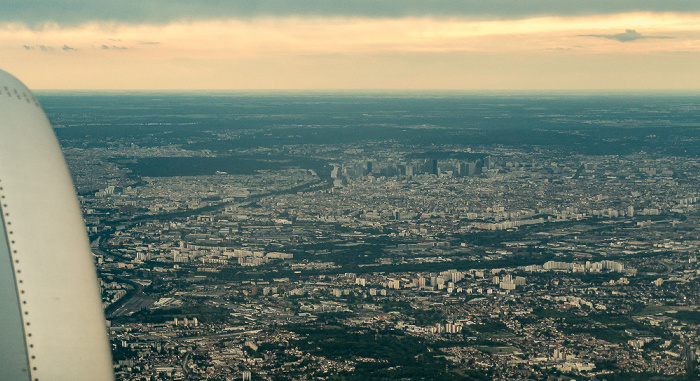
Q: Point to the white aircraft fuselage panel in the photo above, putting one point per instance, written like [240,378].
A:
[52,325]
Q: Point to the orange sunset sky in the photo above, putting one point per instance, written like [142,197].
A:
[270,44]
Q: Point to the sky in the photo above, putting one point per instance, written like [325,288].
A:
[352,44]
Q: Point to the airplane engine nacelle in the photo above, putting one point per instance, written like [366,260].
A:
[52,325]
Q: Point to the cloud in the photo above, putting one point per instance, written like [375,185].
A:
[48,48]
[43,48]
[113,47]
[71,12]
[629,35]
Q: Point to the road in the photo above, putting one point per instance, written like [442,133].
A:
[134,300]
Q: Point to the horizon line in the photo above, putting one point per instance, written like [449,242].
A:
[378,90]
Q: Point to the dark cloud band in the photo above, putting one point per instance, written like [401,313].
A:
[66,12]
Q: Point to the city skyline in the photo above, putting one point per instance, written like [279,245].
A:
[332,45]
